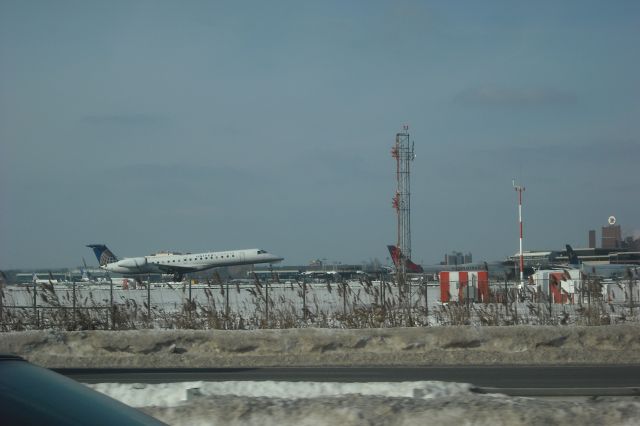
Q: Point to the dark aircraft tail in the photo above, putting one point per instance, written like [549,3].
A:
[572,256]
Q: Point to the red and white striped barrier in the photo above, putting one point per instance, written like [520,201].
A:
[458,286]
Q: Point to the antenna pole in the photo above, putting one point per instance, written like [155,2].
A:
[520,189]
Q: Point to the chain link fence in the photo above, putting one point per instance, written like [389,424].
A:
[347,304]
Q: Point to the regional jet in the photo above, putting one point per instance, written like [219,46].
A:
[178,264]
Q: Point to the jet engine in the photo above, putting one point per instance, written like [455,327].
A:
[132,262]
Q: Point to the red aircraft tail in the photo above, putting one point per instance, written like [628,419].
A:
[396,255]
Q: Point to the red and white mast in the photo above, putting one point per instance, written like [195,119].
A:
[519,189]
[403,152]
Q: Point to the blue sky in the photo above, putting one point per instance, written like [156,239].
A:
[152,125]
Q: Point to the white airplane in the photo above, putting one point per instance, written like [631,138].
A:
[178,264]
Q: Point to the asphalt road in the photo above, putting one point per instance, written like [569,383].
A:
[515,380]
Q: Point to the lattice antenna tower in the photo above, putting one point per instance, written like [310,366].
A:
[403,152]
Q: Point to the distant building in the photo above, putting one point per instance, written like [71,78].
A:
[457,258]
[631,243]
[611,237]
[592,238]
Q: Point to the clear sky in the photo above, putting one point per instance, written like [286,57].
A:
[211,125]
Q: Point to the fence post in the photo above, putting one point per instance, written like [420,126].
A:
[506,294]
[73,312]
[581,298]
[190,303]
[589,301]
[382,296]
[344,298]
[304,298]
[1,304]
[408,296]
[227,309]
[149,300]
[111,307]
[266,297]
[550,301]
[468,307]
[426,301]
[35,307]
[630,296]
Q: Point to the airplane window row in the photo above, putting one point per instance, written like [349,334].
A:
[197,258]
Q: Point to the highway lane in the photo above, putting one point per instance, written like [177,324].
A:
[583,379]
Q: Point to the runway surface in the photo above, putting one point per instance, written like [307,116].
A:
[515,380]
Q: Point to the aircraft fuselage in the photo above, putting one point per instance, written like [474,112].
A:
[191,262]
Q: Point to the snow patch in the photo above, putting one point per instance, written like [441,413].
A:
[174,394]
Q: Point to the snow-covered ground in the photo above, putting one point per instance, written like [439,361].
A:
[405,403]
[175,394]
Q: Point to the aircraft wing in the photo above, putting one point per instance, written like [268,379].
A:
[174,269]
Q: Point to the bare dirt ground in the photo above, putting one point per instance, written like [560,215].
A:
[618,344]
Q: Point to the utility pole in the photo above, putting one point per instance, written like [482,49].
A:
[520,189]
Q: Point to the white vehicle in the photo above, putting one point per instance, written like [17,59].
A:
[178,264]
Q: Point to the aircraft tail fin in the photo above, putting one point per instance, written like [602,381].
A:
[396,256]
[103,254]
[573,257]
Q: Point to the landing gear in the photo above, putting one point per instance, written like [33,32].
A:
[178,277]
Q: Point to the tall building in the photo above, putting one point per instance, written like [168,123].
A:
[592,238]
[453,258]
[611,235]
